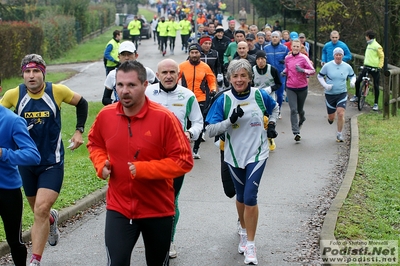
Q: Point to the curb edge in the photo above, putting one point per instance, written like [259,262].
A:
[329,225]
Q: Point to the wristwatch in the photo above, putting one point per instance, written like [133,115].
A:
[80,129]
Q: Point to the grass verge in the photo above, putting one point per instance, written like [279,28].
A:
[80,178]
[372,208]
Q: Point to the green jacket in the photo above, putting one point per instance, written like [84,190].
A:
[230,52]
[173,27]
[186,27]
[374,56]
[134,27]
[162,28]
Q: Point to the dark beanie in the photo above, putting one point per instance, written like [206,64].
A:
[261,53]
[195,46]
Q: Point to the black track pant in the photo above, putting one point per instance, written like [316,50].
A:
[11,214]
[121,235]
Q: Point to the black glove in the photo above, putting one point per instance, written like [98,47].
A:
[237,112]
[271,132]
[212,93]
[281,61]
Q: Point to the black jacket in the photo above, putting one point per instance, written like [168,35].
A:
[220,46]
[211,59]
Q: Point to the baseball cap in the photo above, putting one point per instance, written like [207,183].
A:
[127,46]
[250,36]
[294,35]
[302,35]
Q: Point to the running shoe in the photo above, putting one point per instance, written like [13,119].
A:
[250,256]
[330,121]
[239,227]
[297,137]
[354,99]
[196,154]
[242,242]
[54,235]
[375,108]
[172,252]
[35,263]
[272,145]
[339,137]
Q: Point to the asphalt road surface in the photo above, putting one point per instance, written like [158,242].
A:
[295,175]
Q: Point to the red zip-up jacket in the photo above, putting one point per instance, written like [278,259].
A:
[153,140]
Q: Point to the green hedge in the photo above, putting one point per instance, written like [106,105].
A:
[50,34]
[17,39]
[59,35]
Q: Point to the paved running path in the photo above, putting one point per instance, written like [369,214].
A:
[295,176]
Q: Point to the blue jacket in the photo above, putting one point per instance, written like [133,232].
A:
[276,55]
[17,147]
[327,51]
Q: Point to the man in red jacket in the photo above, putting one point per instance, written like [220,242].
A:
[141,153]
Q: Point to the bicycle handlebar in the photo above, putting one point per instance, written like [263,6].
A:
[369,68]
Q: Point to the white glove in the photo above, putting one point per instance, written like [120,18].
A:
[352,84]
[283,74]
[268,89]
[220,77]
[328,87]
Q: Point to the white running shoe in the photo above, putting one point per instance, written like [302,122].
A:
[239,227]
[172,251]
[242,243]
[196,154]
[339,137]
[354,99]
[35,263]
[54,235]
[250,256]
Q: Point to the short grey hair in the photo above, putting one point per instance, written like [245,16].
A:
[236,65]
[33,58]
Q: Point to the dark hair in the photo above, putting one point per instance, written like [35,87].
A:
[370,34]
[116,33]
[133,65]
[240,31]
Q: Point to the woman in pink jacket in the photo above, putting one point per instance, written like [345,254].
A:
[297,68]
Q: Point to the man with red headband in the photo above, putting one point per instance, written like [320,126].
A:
[39,103]
[210,56]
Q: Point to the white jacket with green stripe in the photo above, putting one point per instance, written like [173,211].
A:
[246,140]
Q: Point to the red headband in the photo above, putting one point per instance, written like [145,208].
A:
[204,39]
[34,65]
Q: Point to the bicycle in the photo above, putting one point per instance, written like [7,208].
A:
[364,86]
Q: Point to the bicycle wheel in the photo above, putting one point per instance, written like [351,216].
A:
[361,98]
